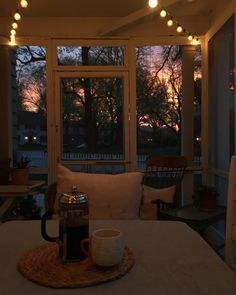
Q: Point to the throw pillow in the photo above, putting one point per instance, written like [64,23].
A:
[165,194]
[148,210]
[110,196]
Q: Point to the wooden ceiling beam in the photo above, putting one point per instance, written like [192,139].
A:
[135,16]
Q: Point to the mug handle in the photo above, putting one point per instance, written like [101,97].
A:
[83,243]
[44,234]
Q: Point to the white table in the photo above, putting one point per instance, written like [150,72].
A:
[171,258]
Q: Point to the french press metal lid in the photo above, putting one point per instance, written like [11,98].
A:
[74,197]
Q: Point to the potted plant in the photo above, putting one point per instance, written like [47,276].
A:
[206,198]
[20,173]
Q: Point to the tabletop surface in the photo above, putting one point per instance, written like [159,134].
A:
[170,258]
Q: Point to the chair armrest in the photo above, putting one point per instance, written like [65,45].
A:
[162,206]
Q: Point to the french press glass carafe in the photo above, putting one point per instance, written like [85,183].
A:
[73,225]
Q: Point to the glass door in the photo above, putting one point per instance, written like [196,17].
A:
[92,118]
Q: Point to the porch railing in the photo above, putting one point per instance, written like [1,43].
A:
[39,158]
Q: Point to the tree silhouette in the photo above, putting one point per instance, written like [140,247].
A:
[95,104]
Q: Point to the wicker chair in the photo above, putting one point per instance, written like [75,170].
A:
[162,172]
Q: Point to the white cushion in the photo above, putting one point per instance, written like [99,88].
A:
[110,196]
[165,194]
[149,210]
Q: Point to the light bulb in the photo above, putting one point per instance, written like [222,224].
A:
[163,13]
[179,29]
[13,32]
[17,15]
[12,40]
[195,41]
[24,3]
[170,22]
[14,25]
[153,3]
[190,37]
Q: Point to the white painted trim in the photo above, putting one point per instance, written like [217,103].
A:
[64,68]
[51,125]
[204,111]
[220,18]
[133,102]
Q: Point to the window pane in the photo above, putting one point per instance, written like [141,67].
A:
[92,118]
[90,56]
[159,79]
[221,97]
[29,105]
[29,122]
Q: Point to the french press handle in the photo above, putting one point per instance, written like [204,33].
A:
[44,234]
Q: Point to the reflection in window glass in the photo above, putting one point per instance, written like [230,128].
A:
[92,118]
[90,56]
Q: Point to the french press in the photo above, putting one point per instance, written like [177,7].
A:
[73,225]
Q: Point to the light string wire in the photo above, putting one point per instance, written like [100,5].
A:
[164,14]
[171,21]
[17,16]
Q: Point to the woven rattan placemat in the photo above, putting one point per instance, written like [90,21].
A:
[43,266]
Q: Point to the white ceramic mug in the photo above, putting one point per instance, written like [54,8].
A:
[106,246]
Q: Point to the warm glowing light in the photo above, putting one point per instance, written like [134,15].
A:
[190,37]
[14,25]
[163,13]
[170,22]
[17,15]
[179,29]
[195,41]
[13,32]
[153,3]
[12,40]
[24,3]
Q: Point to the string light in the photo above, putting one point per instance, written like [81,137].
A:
[190,37]
[17,15]
[179,28]
[170,22]
[196,41]
[13,32]
[23,3]
[163,13]
[153,3]
[14,25]
[12,40]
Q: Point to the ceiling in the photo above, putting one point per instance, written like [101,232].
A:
[104,8]
[196,14]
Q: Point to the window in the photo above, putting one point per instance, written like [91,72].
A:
[92,117]
[221,105]
[29,104]
[90,55]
